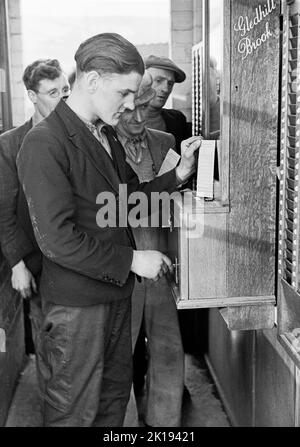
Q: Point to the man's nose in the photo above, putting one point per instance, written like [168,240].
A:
[129,103]
[165,86]
[139,115]
[64,94]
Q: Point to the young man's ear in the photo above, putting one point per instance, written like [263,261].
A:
[92,81]
[32,96]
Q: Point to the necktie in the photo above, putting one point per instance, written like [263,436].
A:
[102,137]
[115,147]
[134,148]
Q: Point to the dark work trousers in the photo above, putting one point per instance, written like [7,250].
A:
[154,305]
[29,343]
[84,360]
[36,318]
[32,318]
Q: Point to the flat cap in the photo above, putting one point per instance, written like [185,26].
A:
[146,92]
[167,64]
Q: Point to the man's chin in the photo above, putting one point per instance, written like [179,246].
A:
[136,128]
[115,119]
[159,103]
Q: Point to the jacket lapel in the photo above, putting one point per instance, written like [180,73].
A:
[84,140]
[98,156]
[118,153]
[120,160]
[154,145]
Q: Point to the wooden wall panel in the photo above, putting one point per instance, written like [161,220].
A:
[275,383]
[253,151]
[288,308]
[231,356]
[207,278]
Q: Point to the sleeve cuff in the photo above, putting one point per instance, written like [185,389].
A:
[179,181]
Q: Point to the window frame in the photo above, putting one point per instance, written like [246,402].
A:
[6,121]
[201,88]
[289,250]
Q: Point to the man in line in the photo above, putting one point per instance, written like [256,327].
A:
[152,302]
[165,74]
[46,85]
[88,273]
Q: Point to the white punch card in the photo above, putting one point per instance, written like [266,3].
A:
[205,175]
[170,162]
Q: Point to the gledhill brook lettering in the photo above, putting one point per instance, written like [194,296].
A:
[248,44]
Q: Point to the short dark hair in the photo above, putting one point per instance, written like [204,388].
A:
[72,77]
[39,70]
[108,53]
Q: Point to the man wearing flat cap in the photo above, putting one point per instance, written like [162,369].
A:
[153,305]
[165,74]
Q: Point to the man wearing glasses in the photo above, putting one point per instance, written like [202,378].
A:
[46,84]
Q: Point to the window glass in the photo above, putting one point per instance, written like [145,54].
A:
[215,62]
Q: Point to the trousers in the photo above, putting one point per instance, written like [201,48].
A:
[84,364]
[154,305]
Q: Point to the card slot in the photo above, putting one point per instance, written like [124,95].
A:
[293,28]
[290,205]
[287,276]
[292,163]
[291,184]
[292,152]
[292,120]
[293,19]
[289,246]
[291,194]
[291,157]
[289,256]
[292,141]
[291,173]
[293,42]
[292,109]
[290,214]
[289,235]
[289,225]
[293,98]
[289,265]
[293,52]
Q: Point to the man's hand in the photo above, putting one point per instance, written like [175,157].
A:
[22,280]
[186,166]
[150,264]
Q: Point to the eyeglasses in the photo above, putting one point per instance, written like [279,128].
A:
[55,93]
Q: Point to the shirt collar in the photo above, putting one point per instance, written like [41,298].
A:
[93,126]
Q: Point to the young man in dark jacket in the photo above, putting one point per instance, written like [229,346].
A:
[66,164]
